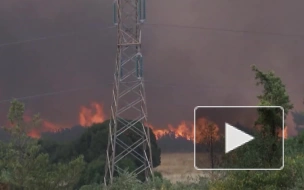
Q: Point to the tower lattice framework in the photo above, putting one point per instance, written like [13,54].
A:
[128,110]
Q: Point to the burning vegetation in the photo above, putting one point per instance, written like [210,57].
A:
[183,130]
[94,113]
[91,115]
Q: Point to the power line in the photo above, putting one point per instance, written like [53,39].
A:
[160,25]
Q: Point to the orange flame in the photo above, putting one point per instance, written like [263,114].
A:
[183,130]
[89,116]
[285,132]
[206,130]
[46,126]
[95,114]
[158,132]
[34,134]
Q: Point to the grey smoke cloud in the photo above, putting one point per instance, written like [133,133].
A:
[209,67]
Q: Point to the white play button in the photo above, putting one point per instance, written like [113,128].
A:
[235,138]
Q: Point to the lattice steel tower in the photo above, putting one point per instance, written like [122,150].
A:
[128,111]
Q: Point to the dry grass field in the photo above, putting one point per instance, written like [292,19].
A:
[180,167]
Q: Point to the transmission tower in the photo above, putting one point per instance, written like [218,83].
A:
[128,110]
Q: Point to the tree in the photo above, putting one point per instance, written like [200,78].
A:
[21,153]
[266,150]
[207,133]
[24,167]
[291,177]
[92,144]
[263,151]
[274,94]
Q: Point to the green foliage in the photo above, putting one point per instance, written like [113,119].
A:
[271,120]
[92,144]
[261,152]
[291,177]
[23,166]
[92,172]
[274,92]
[128,181]
[158,174]
[94,186]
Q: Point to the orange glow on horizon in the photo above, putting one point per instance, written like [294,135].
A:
[94,113]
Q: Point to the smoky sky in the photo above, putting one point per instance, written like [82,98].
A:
[184,67]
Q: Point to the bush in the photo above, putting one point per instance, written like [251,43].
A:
[158,175]
[290,177]
[94,186]
[129,181]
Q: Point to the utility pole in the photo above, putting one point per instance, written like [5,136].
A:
[128,110]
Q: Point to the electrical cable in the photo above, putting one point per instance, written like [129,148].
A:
[161,25]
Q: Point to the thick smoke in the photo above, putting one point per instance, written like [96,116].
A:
[205,67]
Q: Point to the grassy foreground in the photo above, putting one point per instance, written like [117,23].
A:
[179,167]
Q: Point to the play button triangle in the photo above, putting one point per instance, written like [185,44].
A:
[235,138]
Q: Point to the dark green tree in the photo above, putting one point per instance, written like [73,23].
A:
[92,144]
[265,150]
[24,167]
[271,120]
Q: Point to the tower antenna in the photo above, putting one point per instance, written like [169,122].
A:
[128,110]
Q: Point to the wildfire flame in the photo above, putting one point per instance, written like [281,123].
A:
[285,132]
[47,126]
[206,130]
[94,113]
[183,130]
[89,116]
[43,126]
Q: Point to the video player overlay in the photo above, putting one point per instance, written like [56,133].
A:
[225,137]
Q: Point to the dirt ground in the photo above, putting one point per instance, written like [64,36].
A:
[180,167]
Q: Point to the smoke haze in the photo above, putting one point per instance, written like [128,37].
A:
[184,67]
